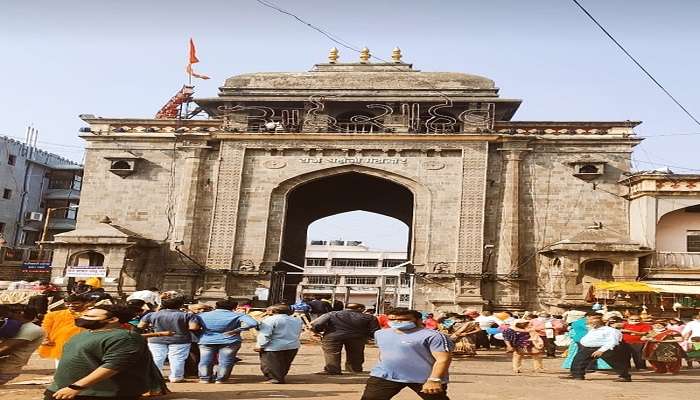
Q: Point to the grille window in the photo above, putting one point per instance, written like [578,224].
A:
[391,280]
[354,262]
[320,280]
[693,241]
[361,280]
[315,262]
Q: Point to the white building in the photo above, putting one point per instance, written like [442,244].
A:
[352,272]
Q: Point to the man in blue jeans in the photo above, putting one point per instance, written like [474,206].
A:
[221,339]
[176,345]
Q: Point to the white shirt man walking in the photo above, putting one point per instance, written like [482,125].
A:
[409,356]
[601,342]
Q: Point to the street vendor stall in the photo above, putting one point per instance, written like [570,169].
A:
[660,299]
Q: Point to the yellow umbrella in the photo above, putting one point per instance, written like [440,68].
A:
[630,286]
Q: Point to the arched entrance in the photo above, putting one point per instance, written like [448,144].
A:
[593,271]
[333,194]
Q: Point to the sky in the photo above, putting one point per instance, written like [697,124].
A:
[63,58]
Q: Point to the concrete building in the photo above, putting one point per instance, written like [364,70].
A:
[353,273]
[33,181]
[218,205]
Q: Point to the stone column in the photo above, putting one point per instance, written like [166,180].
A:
[508,290]
[187,202]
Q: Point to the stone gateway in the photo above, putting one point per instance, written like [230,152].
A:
[502,213]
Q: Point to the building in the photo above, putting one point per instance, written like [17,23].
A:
[353,273]
[219,204]
[33,182]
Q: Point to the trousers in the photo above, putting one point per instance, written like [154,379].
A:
[224,355]
[382,389]
[637,357]
[618,358]
[176,354]
[354,353]
[276,364]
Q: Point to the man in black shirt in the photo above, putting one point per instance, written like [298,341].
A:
[349,328]
[319,307]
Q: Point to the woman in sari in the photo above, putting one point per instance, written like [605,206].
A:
[663,349]
[464,336]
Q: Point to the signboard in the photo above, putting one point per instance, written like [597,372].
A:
[86,271]
[36,267]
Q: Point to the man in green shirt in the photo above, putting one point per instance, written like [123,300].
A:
[105,362]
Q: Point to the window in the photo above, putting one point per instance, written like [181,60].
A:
[77,182]
[388,263]
[588,169]
[391,280]
[404,298]
[354,262]
[2,227]
[30,238]
[360,280]
[315,262]
[320,280]
[693,241]
[12,159]
[6,194]
[72,211]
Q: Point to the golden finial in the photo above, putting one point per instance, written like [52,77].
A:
[333,55]
[364,55]
[396,55]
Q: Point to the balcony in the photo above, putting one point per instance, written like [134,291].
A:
[679,265]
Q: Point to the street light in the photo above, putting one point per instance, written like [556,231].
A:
[46,224]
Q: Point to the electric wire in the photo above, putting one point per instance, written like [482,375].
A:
[646,72]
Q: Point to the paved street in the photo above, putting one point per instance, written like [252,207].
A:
[484,378]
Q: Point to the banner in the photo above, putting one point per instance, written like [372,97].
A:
[86,271]
[38,267]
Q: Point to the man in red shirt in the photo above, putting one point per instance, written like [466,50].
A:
[430,323]
[632,332]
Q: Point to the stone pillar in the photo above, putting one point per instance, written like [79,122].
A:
[508,290]
[187,202]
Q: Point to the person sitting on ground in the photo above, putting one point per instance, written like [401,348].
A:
[409,356]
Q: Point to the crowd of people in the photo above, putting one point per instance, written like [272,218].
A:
[105,348]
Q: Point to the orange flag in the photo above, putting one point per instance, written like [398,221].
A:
[193,60]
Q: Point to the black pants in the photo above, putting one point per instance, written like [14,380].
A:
[618,358]
[382,389]
[549,346]
[48,395]
[276,364]
[354,353]
[636,350]
[482,340]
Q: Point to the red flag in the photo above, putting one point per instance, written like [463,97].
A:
[193,60]
[193,53]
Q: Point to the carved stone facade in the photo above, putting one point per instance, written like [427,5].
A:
[221,202]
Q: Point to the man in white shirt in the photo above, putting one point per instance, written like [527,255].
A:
[151,296]
[604,342]
[485,320]
[692,328]
[16,351]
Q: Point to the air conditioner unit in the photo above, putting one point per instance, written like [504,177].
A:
[35,216]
